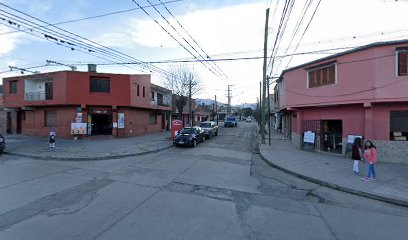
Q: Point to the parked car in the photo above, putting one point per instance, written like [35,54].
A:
[248,120]
[2,143]
[210,129]
[230,122]
[189,136]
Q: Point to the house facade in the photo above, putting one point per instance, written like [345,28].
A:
[85,104]
[360,92]
[3,114]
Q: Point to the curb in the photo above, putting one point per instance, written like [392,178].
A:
[49,158]
[394,201]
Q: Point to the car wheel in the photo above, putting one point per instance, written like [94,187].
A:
[216,133]
[194,143]
[203,139]
[209,136]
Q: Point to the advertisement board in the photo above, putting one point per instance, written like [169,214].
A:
[78,128]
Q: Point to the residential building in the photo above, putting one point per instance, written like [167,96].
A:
[360,92]
[85,104]
[3,114]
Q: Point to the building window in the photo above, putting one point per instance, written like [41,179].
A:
[100,85]
[402,63]
[160,99]
[152,95]
[144,92]
[153,119]
[399,125]
[50,118]
[138,90]
[48,90]
[13,87]
[322,76]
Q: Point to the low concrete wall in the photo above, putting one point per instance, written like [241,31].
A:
[296,140]
[392,151]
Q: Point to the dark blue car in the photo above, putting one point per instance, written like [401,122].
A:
[189,136]
[2,143]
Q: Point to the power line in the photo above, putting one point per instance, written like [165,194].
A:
[164,29]
[208,56]
[101,47]
[185,40]
[96,16]
[346,94]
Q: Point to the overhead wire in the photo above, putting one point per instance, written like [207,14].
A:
[185,40]
[96,16]
[165,30]
[100,46]
[192,38]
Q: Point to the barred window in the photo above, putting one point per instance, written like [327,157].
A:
[50,118]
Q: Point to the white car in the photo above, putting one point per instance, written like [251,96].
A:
[248,120]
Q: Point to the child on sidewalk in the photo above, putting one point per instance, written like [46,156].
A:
[356,155]
[52,139]
[370,154]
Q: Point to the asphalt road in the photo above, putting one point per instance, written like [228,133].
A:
[219,190]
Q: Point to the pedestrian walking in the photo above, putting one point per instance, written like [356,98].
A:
[356,155]
[52,139]
[370,154]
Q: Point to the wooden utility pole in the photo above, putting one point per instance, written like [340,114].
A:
[229,100]
[260,104]
[216,108]
[269,112]
[189,103]
[264,79]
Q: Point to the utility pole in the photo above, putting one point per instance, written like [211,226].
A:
[189,104]
[260,104]
[216,109]
[269,113]
[229,99]
[264,79]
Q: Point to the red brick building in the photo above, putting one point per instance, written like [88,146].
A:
[92,103]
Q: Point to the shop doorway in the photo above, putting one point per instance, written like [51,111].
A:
[101,124]
[331,137]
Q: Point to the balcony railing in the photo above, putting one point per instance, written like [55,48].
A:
[36,96]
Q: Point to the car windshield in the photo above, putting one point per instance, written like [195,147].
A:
[230,119]
[188,131]
[205,125]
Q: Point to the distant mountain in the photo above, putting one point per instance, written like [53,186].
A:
[209,102]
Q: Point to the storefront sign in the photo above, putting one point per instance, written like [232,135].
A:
[351,138]
[78,118]
[121,120]
[309,137]
[78,128]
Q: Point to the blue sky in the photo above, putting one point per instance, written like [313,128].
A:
[223,28]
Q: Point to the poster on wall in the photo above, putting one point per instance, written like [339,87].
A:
[309,137]
[121,120]
[78,128]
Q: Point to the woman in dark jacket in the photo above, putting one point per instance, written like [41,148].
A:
[356,154]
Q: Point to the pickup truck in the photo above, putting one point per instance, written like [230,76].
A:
[210,129]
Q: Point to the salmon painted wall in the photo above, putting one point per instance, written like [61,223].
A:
[17,100]
[34,123]
[137,122]
[352,117]
[141,81]
[357,81]
[381,119]
[78,89]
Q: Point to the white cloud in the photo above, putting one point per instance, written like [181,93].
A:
[8,42]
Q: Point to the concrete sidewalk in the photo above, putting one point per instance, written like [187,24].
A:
[87,149]
[336,171]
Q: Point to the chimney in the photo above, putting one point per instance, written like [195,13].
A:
[91,67]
